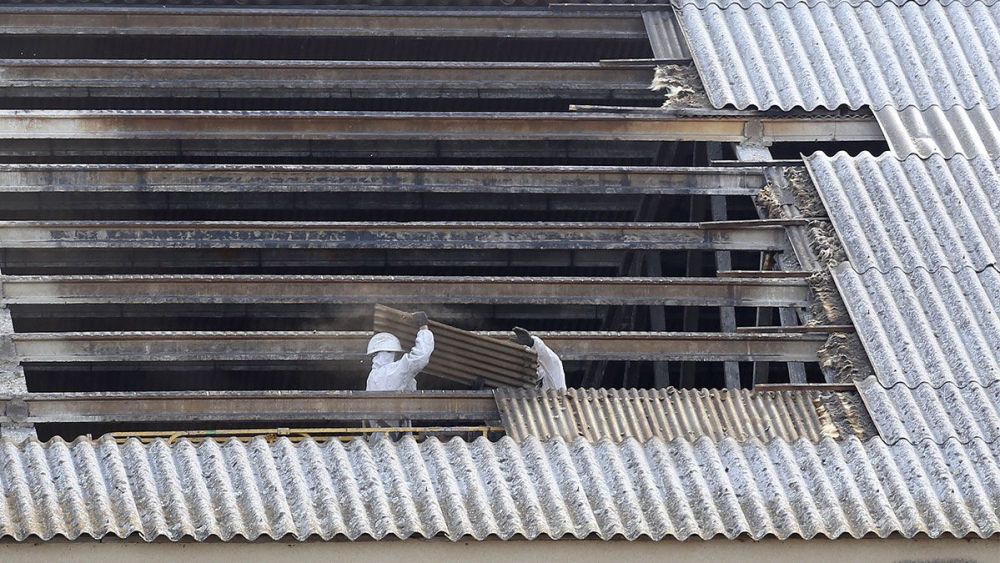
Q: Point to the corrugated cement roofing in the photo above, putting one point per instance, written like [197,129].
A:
[923,327]
[926,412]
[460,489]
[788,3]
[956,131]
[830,55]
[911,214]
[689,414]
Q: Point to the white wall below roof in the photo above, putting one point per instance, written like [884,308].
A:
[575,551]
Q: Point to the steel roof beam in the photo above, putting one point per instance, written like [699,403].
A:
[733,292]
[32,178]
[320,79]
[710,125]
[242,21]
[247,406]
[347,345]
[396,236]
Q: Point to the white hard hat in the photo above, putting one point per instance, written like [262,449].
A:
[384,342]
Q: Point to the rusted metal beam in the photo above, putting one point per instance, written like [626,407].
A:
[243,21]
[319,79]
[732,292]
[242,406]
[31,178]
[317,346]
[530,236]
[709,125]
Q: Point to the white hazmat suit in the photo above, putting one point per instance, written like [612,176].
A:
[390,374]
[550,367]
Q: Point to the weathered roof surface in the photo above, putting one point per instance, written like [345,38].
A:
[956,131]
[910,214]
[788,3]
[689,414]
[462,489]
[933,54]
[923,327]
[665,36]
[926,412]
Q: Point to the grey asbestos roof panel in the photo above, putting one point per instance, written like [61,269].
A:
[788,3]
[461,489]
[665,36]
[933,413]
[916,213]
[921,55]
[688,414]
[922,327]
[952,132]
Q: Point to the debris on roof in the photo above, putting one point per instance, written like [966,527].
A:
[680,86]
[688,414]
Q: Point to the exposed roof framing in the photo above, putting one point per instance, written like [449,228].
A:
[105,178]
[242,21]
[241,406]
[709,125]
[334,345]
[371,235]
[75,78]
[734,292]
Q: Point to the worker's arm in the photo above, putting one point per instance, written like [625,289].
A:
[414,361]
[550,367]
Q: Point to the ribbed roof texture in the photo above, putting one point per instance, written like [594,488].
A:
[789,3]
[461,489]
[956,131]
[935,328]
[911,214]
[826,55]
[689,414]
[926,412]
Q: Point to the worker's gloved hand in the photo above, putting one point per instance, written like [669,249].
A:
[419,318]
[522,337]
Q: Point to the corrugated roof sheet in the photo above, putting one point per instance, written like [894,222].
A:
[461,489]
[921,55]
[929,214]
[788,3]
[665,36]
[689,414]
[923,327]
[954,131]
[926,412]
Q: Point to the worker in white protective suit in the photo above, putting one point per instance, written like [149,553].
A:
[392,368]
[550,367]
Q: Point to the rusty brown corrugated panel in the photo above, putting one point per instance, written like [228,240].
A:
[464,356]
[617,414]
